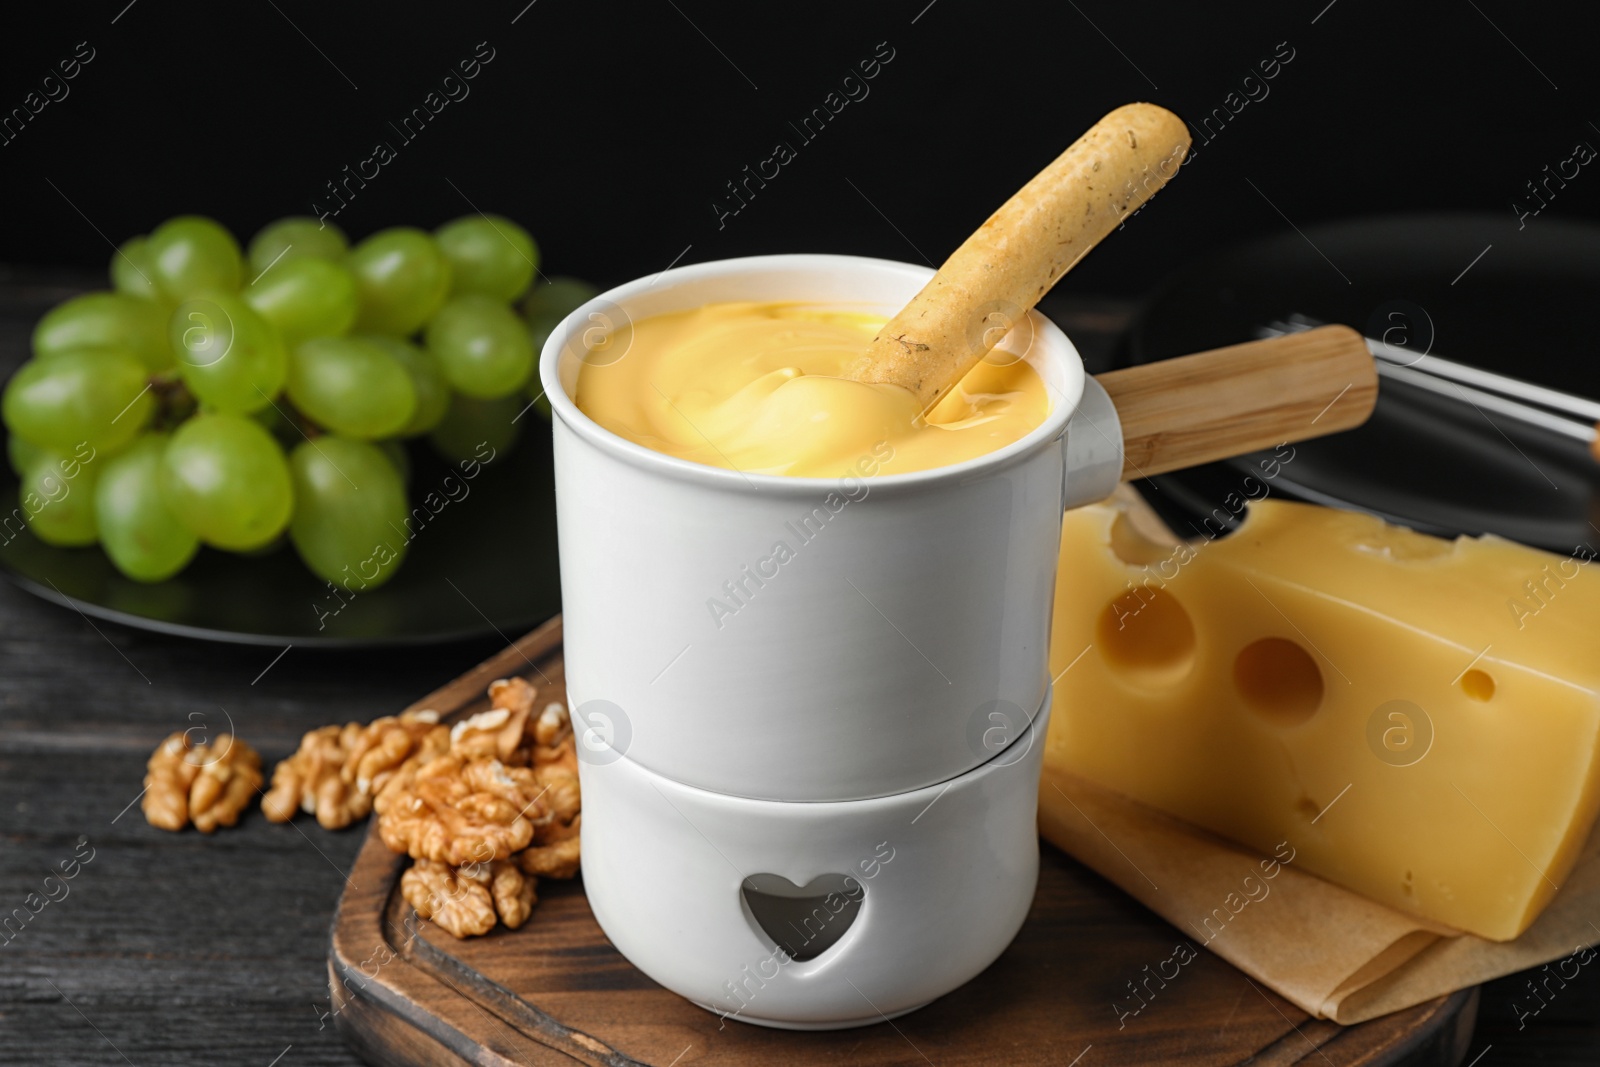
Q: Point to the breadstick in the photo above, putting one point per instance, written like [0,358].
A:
[1001,271]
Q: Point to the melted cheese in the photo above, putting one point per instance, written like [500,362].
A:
[757,388]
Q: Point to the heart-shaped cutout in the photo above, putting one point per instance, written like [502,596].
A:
[803,920]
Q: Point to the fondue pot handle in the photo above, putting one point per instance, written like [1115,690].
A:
[1182,412]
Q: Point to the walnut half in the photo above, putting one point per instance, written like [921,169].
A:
[501,731]
[459,809]
[208,785]
[465,901]
[559,858]
[463,906]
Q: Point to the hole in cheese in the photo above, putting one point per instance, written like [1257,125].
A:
[1478,685]
[1279,679]
[1147,637]
[1130,545]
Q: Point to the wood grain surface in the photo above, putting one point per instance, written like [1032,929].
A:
[186,951]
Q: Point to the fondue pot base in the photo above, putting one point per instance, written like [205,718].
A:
[813,915]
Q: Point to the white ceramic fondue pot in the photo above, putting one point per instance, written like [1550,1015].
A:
[809,708]
[907,604]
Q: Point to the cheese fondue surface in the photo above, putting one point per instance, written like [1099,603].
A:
[757,387]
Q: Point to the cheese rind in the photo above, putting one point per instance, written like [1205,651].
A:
[1418,717]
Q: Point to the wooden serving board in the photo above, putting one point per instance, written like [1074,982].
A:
[557,993]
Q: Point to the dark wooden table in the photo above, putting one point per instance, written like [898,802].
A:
[180,949]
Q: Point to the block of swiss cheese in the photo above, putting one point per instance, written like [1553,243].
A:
[1417,717]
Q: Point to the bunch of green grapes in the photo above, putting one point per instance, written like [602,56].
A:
[233,398]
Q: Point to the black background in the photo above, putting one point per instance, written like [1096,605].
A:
[609,130]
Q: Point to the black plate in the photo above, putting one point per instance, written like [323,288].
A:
[1476,289]
[482,561]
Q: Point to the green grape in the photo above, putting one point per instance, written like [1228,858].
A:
[306,298]
[539,331]
[23,454]
[481,346]
[97,397]
[351,386]
[294,238]
[433,392]
[472,428]
[547,304]
[226,479]
[230,357]
[106,320]
[489,255]
[137,529]
[57,494]
[191,256]
[557,298]
[132,270]
[395,452]
[401,279]
[350,515]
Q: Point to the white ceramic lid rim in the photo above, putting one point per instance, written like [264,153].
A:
[1043,435]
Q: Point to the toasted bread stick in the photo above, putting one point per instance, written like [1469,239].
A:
[1001,271]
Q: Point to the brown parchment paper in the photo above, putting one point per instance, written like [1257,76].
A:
[1332,952]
